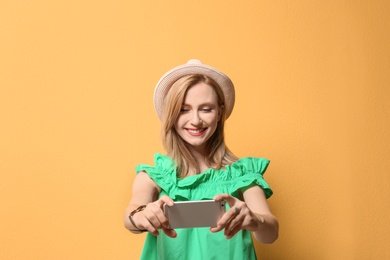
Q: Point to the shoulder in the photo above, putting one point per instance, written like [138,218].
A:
[249,164]
[162,173]
[162,163]
[248,172]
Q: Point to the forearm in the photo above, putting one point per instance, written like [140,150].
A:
[268,229]
[144,191]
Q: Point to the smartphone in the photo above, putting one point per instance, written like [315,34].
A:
[191,214]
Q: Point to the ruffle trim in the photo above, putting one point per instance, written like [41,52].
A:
[244,173]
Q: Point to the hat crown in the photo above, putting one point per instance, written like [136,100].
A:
[194,61]
[192,67]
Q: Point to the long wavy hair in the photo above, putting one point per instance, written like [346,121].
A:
[218,154]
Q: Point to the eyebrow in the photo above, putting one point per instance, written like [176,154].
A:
[204,104]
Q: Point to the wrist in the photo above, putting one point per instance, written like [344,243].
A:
[260,221]
[136,229]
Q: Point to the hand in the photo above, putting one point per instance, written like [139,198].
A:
[238,217]
[152,217]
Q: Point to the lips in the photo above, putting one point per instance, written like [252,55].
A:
[196,132]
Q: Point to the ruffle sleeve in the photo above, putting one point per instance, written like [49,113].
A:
[163,173]
[241,175]
[249,172]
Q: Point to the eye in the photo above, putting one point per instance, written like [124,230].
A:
[206,110]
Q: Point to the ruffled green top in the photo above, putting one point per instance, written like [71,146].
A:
[200,243]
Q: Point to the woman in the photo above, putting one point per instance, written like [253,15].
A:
[193,101]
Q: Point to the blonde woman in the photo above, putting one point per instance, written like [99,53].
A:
[193,101]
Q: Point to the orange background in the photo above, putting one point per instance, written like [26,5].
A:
[76,116]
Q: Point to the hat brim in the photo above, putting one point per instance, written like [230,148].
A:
[167,80]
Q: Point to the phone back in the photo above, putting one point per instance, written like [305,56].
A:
[190,214]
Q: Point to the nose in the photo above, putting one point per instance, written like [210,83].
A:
[195,119]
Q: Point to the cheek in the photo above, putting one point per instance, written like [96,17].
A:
[176,126]
[179,122]
[212,118]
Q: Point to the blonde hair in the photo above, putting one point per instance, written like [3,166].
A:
[218,154]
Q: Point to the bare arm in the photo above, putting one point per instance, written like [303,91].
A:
[152,218]
[266,228]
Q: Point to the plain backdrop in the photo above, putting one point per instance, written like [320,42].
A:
[76,116]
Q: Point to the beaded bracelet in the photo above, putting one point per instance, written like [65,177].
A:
[137,230]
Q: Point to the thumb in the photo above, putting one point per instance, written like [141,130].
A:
[165,200]
[225,197]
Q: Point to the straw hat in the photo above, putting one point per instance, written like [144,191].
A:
[193,67]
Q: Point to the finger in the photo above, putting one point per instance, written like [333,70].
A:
[236,210]
[232,213]
[159,216]
[156,217]
[155,214]
[164,221]
[150,228]
[169,232]
[226,197]
[221,197]
[234,225]
[153,231]
[232,232]
[150,224]
[229,220]
[165,200]
[218,227]
[224,222]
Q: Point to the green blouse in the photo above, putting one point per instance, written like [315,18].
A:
[200,243]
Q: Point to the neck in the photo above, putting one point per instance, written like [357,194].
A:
[200,155]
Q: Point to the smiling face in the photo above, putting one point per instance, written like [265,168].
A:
[199,116]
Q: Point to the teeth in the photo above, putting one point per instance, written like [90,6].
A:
[197,131]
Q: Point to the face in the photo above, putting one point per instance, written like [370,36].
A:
[199,116]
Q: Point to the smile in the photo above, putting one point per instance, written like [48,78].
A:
[196,132]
